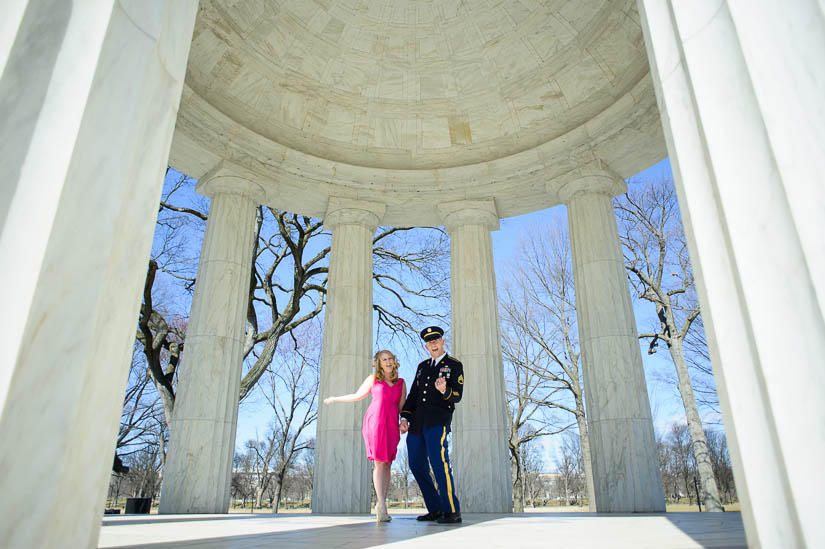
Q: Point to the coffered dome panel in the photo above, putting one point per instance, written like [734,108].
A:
[413,84]
[394,100]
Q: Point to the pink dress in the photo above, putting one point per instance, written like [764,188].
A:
[380,429]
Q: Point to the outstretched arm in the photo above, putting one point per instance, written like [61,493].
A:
[360,394]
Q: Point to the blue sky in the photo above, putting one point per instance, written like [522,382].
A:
[253,416]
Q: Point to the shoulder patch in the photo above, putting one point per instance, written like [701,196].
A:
[461,379]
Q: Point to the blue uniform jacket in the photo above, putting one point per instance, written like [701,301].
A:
[425,405]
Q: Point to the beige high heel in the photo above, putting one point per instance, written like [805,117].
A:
[381,517]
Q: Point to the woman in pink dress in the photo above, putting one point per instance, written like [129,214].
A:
[381,434]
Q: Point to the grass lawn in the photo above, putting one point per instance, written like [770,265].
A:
[685,507]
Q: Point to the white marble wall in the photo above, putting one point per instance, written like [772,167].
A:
[198,470]
[342,471]
[740,90]
[88,99]
[626,473]
[480,459]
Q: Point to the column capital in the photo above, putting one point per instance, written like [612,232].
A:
[595,177]
[230,178]
[469,212]
[348,211]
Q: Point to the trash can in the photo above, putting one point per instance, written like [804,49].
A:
[138,506]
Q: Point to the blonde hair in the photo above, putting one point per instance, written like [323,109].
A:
[379,372]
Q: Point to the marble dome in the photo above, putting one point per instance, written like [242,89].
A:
[399,100]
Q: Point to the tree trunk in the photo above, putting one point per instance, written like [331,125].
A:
[710,492]
[259,496]
[584,440]
[279,478]
[518,485]
[277,503]
[566,492]
[162,447]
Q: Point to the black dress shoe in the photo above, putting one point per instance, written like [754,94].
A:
[450,518]
[429,517]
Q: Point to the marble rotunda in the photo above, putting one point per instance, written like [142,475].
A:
[456,113]
[419,114]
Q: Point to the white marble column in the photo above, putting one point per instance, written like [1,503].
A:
[481,463]
[88,99]
[626,474]
[342,471]
[198,471]
[739,87]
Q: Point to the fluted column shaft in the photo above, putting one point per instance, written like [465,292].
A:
[342,471]
[198,471]
[89,93]
[480,458]
[626,473]
[739,87]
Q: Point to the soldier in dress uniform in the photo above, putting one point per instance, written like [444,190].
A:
[426,418]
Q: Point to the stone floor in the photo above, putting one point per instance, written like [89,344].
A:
[553,530]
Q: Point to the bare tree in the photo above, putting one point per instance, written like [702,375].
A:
[242,477]
[143,478]
[682,461]
[540,332]
[569,467]
[531,466]
[288,282]
[305,471]
[402,467]
[141,412]
[161,342]
[260,455]
[697,356]
[291,391]
[161,330]
[656,258]
[720,458]
[670,481]
[142,431]
[529,395]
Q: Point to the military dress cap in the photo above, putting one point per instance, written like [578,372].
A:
[432,332]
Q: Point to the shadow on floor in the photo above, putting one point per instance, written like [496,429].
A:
[715,530]
[662,530]
[167,519]
[357,535]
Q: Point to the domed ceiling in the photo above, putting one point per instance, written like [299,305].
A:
[382,100]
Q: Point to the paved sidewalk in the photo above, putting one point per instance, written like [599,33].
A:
[304,531]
